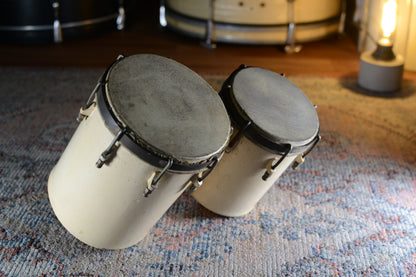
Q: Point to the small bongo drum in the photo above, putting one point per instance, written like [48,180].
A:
[275,125]
[149,127]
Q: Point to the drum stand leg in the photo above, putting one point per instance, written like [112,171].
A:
[208,43]
[291,46]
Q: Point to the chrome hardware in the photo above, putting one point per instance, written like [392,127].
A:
[274,163]
[236,139]
[121,18]
[162,14]
[86,110]
[111,149]
[208,43]
[342,17]
[152,182]
[198,179]
[57,29]
[301,158]
[291,46]
[194,183]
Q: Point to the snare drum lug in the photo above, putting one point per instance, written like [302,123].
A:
[209,29]
[153,180]
[291,46]
[111,150]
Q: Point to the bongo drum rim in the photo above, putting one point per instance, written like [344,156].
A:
[138,146]
[252,131]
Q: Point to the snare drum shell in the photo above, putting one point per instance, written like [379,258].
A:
[255,12]
[106,207]
[236,185]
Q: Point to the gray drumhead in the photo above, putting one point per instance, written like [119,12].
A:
[170,108]
[278,108]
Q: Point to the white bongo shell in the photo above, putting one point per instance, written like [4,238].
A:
[275,126]
[112,199]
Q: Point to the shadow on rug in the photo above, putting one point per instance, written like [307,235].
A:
[349,210]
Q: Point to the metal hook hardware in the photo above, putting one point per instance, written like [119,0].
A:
[85,110]
[274,163]
[111,149]
[152,185]
[236,139]
[301,158]
[198,179]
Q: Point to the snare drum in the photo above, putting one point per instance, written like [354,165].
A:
[275,126]
[149,126]
[253,21]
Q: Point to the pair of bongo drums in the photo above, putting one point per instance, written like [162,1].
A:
[152,129]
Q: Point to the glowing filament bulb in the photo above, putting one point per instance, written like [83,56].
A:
[388,20]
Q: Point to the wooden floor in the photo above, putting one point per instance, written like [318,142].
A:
[330,57]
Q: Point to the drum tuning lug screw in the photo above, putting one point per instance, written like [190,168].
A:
[194,183]
[110,151]
[300,159]
[153,181]
[274,163]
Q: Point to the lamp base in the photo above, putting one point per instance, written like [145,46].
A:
[378,75]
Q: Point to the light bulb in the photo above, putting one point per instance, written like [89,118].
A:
[388,20]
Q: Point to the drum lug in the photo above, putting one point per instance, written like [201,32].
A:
[209,29]
[274,163]
[237,137]
[86,110]
[121,18]
[301,158]
[153,180]
[57,29]
[111,149]
[162,14]
[197,180]
[291,46]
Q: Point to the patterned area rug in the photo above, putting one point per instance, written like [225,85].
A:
[349,210]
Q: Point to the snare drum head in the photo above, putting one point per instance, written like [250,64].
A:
[169,108]
[276,107]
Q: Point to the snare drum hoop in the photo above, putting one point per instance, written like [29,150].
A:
[248,128]
[139,147]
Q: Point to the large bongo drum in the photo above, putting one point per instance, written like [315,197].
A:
[42,21]
[275,126]
[253,21]
[149,127]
